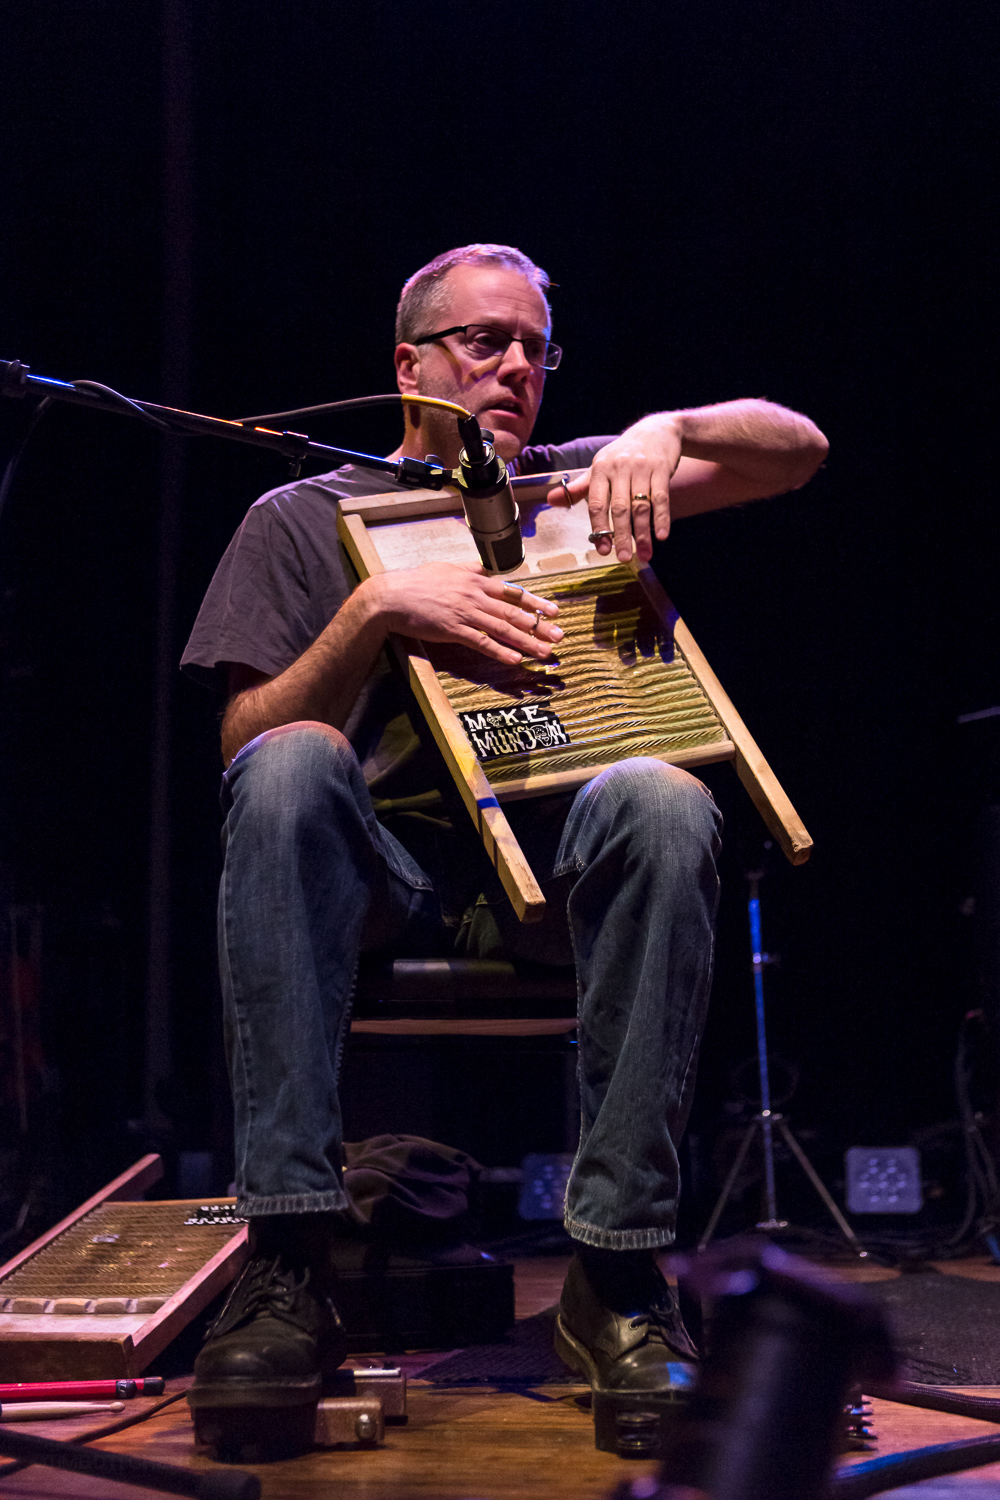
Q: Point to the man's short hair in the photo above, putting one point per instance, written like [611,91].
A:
[424,295]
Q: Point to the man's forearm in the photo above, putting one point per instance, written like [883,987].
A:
[764,443]
[323,684]
[683,463]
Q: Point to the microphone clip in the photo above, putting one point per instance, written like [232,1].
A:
[418,473]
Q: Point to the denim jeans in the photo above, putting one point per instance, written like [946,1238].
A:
[312,880]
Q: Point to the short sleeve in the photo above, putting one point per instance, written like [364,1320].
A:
[280,582]
[579,453]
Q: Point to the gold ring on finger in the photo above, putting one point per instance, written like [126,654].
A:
[513,593]
[637,498]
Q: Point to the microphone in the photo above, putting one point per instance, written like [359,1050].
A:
[490,508]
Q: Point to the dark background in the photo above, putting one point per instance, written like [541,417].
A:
[217,204]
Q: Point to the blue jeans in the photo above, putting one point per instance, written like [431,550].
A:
[312,880]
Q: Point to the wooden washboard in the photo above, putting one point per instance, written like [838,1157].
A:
[627,679]
[106,1290]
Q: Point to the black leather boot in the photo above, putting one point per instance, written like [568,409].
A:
[258,1377]
[619,1326]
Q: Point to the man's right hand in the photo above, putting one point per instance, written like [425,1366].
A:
[462,604]
[437,602]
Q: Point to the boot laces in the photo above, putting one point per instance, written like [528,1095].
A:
[265,1289]
[662,1321]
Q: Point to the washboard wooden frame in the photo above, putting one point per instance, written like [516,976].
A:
[383,532]
[50,1330]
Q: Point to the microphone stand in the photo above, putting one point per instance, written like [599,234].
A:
[16,381]
[767,1119]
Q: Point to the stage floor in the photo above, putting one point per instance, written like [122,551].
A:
[482,1444]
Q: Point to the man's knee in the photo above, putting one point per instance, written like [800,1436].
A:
[304,736]
[293,766]
[658,801]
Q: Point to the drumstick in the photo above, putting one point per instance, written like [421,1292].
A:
[35,1411]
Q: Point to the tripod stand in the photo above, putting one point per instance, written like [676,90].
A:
[767,1119]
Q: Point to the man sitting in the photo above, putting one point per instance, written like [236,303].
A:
[339,840]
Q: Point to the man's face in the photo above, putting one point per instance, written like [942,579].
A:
[504,393]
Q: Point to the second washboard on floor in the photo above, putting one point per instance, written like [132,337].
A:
[617,686]
[102,1294]
[119,1258]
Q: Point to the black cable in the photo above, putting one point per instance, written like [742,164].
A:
[115,398]
[102,1432]
[936,1398]
[981,1212]
[354,404]
[982,1179]
[12,463]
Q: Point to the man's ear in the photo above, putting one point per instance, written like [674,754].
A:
[407,359]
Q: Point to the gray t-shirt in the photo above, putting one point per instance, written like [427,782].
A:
[282,579]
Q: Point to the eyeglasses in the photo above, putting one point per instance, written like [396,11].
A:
[484,342]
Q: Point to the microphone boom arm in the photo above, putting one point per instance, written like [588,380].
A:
[16,381]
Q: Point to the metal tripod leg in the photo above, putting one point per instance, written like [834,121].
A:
[817,1182]
[767,1118]
[727,1186]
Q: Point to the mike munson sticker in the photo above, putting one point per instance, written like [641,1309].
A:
[513,731]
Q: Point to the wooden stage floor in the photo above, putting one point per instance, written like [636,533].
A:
[478,1444]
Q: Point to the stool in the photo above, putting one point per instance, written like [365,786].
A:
[449,997]
[463,997]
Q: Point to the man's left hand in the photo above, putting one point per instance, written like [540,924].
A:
[628,488]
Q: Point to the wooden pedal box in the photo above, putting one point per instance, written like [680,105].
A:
[385,1384]
[349,1421]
